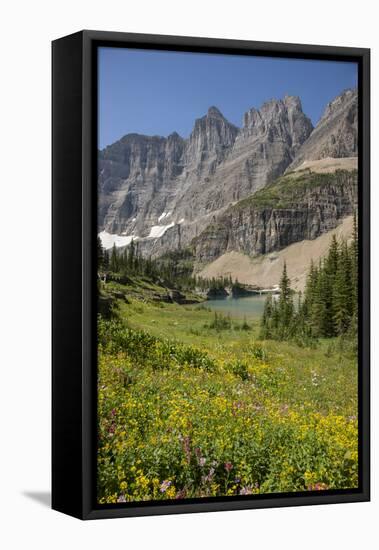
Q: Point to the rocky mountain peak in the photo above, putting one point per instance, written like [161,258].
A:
[335,107]
[214,112]
[336,134]
[211,136]
[179,185]
[213,119]
[292,101]
[278,119]
[174,136]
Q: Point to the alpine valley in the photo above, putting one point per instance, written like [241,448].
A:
[239,199]
[228,276]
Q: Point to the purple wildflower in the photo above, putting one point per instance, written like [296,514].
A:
[165,485]
[208,478]
[112,429]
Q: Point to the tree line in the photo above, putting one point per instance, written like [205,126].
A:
[174,269]
[329,305]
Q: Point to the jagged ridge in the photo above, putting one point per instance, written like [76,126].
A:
[336,134]
[142,177]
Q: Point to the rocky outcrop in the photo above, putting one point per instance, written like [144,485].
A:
[217,293]
[263,148]
[136,175]
[219,190]
[265,271]
[336,134]
[210,140]
[294,208]
[155,182]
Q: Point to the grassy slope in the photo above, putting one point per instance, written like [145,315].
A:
[143,289]
[327,361]
[284,191]
[283,416]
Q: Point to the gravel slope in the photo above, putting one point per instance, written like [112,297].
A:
[265,271]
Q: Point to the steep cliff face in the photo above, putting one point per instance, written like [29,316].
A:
[282,120]
[219,190]
[263,148]
[148,182]
[294,208]
[336,134]
[265,271]
[209,142]
[136,175]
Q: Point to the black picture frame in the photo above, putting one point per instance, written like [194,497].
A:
[74,203]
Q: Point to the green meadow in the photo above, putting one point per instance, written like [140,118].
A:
[194,404]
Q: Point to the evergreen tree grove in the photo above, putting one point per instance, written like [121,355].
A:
[173,269]
[329,304]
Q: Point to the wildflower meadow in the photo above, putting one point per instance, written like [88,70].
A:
[188,411]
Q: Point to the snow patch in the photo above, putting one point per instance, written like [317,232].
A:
[158,230]
[109,239]
[163,215]
[181,221]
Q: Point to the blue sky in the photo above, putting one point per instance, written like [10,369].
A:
[157,92]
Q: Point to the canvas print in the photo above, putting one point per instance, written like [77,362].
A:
[227,273]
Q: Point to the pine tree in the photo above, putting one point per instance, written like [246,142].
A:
[266,321]
[310,292]
[105,260]
[320,316]
[342,292]
[285,305]
[124,261]
[330,270]
[331,262]
[275,323]
[100,254]
[354,273]
[131,256]
[299,319]
[114,264]
[330,303]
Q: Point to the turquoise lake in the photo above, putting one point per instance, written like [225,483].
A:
[249,306]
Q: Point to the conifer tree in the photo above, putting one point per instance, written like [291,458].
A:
[100,254]
[320,312]
[105,260]
[331,263]
[131,256]
[124,260]
[342,292]
[114,264]
[329,307]
[299,319]
[285,304]
[354,272]
[266,321]
[310,292]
